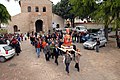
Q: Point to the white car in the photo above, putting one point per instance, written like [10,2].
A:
[64,30]
[58,29]
[80,29]
[6,52]
[91,43]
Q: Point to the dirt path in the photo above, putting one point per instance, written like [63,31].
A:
[94,66]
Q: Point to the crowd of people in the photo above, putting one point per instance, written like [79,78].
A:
[13,40]
[49,44]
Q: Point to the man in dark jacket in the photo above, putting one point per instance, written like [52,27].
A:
[97,45]
[47,52]
[17,48]
[56,52]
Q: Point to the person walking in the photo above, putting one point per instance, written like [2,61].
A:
[97,45]
[17,48]
[47,52]
[56,53]
[67,60]
[52,46]
[77,58]
[37,46]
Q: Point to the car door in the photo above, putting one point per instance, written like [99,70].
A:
[2,51]
[104,41]
[101,42]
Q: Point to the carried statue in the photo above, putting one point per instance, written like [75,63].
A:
[67,38]
[67,45]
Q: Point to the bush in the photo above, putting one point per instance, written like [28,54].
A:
[3,31]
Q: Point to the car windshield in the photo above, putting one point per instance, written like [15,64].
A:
[7,48]
[92,39]
[79,28]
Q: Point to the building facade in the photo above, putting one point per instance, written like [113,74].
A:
[36,15]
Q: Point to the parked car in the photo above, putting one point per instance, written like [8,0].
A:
[85,38]
[91,43]
[58,29]
[64,30]
[6,52]
[80,29]
[2,41]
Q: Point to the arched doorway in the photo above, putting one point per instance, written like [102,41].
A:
[39,25]
[15,28]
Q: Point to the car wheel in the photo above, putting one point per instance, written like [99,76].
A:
[2,59]
[84,47]
[94,48]
[105,44]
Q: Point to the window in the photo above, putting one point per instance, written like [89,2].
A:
[29,8]
[44,9]
[36,9]
[7,48]
[15,28]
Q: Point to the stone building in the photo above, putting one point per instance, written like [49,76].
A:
[36,15]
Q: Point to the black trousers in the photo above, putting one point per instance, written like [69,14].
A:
[56,59]
[77,66]
[67,67]
[52,55]
[47,56]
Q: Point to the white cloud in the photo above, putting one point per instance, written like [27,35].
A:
[12,7]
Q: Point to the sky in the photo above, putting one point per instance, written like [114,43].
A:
[14,8]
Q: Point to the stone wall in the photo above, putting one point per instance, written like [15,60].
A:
[21,21]
[26,20]
[35,3]
[92,25]
[58,20]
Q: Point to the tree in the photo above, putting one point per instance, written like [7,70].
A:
[62,9]
[105,12]
[108,12]
[4,15]
[82,8]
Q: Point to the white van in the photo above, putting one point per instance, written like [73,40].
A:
[6,52]
[80,29]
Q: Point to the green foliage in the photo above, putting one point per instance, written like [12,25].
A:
[62,9]
[105,12]
[83,8]
[3,31]
[4,15]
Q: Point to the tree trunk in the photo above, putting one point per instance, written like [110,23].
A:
[117,26]
[0,23]
[106,32]
[73,22]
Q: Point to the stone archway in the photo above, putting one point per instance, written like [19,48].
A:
[15,27]
[39,25]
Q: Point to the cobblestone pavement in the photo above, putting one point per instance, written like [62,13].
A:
[104,65]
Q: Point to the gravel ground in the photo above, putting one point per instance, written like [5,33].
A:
[104,65]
